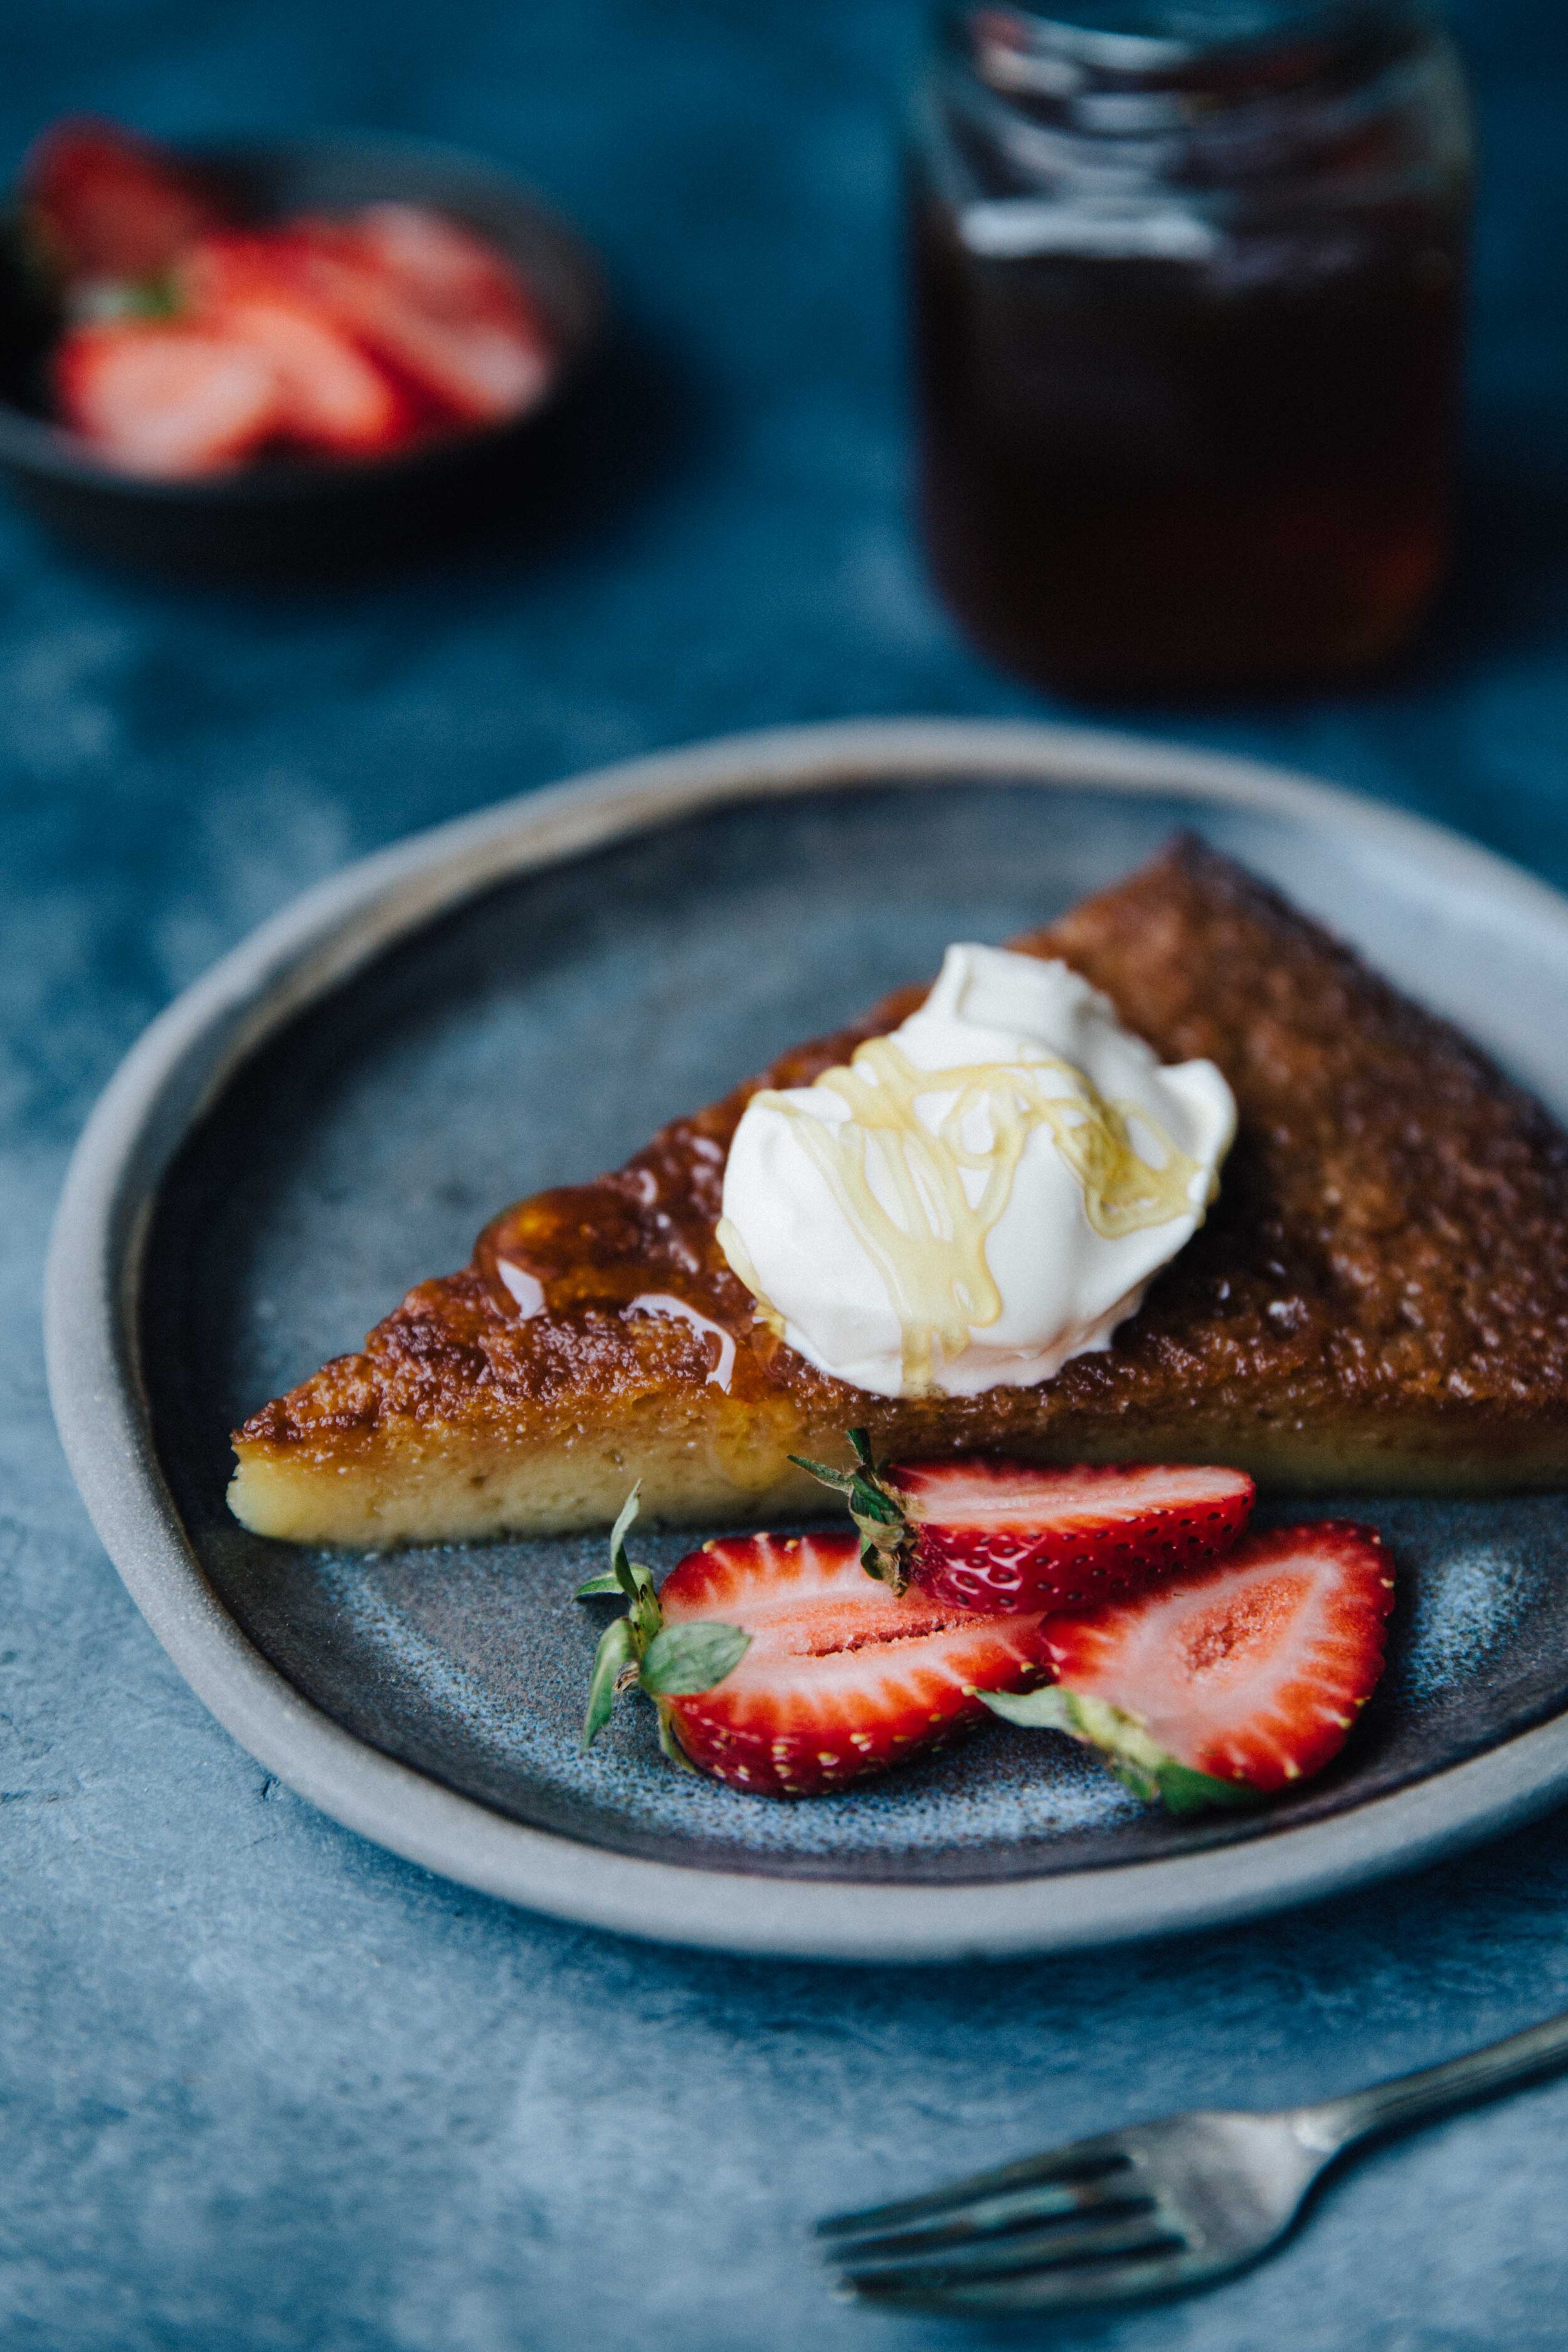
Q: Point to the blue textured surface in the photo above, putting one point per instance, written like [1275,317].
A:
[265,2086]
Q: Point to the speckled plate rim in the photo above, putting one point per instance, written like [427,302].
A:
[189,1053]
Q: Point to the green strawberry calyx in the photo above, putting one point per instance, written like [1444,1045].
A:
[887,1539]
[1139,1762]
[639,1651]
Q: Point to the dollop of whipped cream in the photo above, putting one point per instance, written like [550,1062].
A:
[980,1196]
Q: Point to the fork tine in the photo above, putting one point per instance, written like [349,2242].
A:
[1077,2287]
[1083,2160]
[1060,2200]
[1068,2247]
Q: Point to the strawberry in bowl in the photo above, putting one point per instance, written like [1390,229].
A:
[283,358]
[192,344]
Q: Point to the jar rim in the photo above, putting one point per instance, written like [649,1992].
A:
[1045,47]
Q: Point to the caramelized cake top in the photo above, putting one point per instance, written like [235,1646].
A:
[1391,1232]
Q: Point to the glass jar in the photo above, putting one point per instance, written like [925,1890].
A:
[1188,293]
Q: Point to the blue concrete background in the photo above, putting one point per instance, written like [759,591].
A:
[263,2086]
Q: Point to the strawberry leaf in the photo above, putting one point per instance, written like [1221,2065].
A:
[639,1650]
[616,1652]
[684,1659]
[628,1577]
[1182,1790]
[1040,1710]
[620,1566]
[886,1536]
[605,1585]
[645,1611]
[108,301]
[670,1747]
[869,1501]
[841,1481]
[1122,1739]
[617,1662]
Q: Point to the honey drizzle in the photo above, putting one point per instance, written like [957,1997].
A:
[930,1247]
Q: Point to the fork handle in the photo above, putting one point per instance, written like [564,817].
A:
[1411,2098]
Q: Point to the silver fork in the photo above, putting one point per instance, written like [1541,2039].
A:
[1148,2210]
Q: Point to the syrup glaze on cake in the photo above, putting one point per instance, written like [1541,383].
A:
[1379,1297]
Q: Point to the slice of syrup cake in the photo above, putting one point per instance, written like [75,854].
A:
[1379,1297]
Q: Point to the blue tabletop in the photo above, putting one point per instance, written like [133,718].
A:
[263,2084]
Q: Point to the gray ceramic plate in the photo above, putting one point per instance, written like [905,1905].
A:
[517,1000]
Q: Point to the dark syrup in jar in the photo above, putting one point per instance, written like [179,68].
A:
[1144,472]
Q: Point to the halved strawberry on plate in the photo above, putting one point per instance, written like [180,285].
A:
[1232,1683]
[988,1533]
[1019,1535]
[779,1666]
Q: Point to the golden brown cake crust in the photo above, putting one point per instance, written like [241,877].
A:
[1380,1294]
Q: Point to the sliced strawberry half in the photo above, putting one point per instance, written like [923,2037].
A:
[242,265]
[481,354]
[988,1533]
[110,205]
[335,398]
[1251,1672]
[444,267]
[992,1534]
[842,1677]
[418,294]
[167,400]
[779,1666]
[256,285]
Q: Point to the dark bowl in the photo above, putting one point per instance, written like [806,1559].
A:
[298,517]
